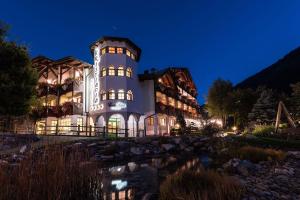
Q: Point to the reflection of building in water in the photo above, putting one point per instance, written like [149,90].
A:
[118,195]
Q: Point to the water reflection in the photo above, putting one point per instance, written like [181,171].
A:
[133,180]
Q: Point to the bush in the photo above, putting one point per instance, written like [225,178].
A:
[202,184]
[256,154]
[53,174]
[263,130]
[210,129]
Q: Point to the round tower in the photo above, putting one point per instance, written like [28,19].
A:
[116,97]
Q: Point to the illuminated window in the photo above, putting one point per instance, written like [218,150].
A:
[172,122]
[111,94]
[160,97]
[151,121]
[162,121]
[111,71]
[111,50]
[171,101]
[121,71]
[179,104]
[129,95]
[129,72]
[103,71]
[103,51]
[103,95]
[65,124]
[133,56]
[184,106]
[128,52]
[121,94]
[119,50]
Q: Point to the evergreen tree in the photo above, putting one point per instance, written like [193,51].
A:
[17,79]
[264,110]
[295,101]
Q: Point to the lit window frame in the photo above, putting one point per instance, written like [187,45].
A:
[103,95]
[111,94]
[129,95]
[120,71]
[111,71]
[129,72]
[128,53]
[103,51]
[103,72]
[112,50]
[121,94]
[119,50]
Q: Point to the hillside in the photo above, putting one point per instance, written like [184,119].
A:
[278,76]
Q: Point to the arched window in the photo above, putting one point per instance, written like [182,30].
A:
[129,72]
[111,94]
[103,95]
[121,94]
[103,71]
[129,95]
[121,71]
[111,71]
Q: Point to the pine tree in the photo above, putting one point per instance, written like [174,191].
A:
[264,110]
[294,101]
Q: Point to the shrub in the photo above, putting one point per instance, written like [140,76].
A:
[202,184]
[53,174]
[263,130]
[256,154]
[210,129]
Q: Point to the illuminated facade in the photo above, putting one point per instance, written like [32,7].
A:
[111,94]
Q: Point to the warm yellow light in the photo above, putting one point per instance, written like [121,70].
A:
[77,74]
[177,126]
[234,128]
[159,80]
[49,81]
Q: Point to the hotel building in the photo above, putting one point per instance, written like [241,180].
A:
[110,93]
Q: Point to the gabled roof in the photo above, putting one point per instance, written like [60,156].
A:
[68,60]
[120,39]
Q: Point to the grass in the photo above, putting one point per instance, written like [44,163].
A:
[263,130]
[257,154]
[53,174]
[200,185]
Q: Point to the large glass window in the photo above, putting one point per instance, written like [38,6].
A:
[111,94]
[103,95]
[65,124]
[111,71]
[121,94]
[103,71]
[120,71]
[162,121]
[129,72]
[119,50]
[111,50]
[129,95]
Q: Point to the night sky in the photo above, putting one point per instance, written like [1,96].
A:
[230,39]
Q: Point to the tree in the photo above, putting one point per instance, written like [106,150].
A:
[218,99]
[264,110]
[242,101]
[17,79]
[294,101]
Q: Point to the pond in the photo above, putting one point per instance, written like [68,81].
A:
[134,180]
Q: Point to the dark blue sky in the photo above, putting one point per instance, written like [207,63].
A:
[231,39]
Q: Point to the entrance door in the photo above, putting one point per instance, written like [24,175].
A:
[113,125]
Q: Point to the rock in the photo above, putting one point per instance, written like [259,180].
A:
[155,142]
[132,166]
[142,140]
[118,170]
[167,147]
[189,149]
[3,162]
[23,149]
[136,150]
[204,139]
[177,140]
[92,145]
[107,157]
[249,136]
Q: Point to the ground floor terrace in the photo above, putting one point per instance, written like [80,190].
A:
[118,124]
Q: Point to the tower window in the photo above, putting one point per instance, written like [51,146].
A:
[103,95]
[119,50]
[111,94]
[121,94]
[129,72]
[133,56]
[129,95]
[128,52]
[103,71]
[111,71]
[121,71]
[111,50]
[103,51]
